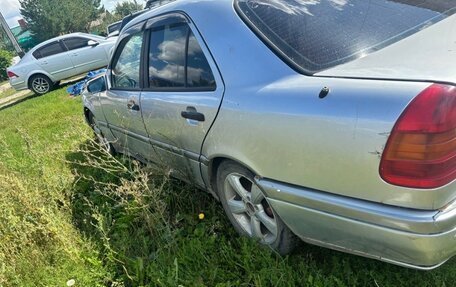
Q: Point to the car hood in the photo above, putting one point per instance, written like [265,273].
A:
[429,55]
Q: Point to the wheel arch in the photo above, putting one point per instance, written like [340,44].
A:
[38,73]
[87,113]
[214,164]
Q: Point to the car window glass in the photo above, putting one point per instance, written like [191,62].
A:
[167,56]
[114,27]
[126,71]
[199,73]
[96,86]
[320,34]
[49,50]
[76,43]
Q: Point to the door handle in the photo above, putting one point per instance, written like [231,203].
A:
[192,114]
[131,105]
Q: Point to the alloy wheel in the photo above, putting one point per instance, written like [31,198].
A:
[249,207]
[40,85]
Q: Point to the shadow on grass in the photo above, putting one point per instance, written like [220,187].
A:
[70,82]
[204,252]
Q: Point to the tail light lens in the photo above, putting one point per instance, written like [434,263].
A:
[12,75]
[421,150]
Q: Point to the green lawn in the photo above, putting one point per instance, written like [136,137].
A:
[67,211]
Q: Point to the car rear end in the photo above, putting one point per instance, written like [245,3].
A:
[16,78]
[19,72]
[366,124]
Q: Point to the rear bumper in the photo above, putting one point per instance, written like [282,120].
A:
[18,84]
[412,238]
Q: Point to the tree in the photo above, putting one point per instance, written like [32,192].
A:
[5,61]
[5,43]
[126,8]
[50,18]
[107,19]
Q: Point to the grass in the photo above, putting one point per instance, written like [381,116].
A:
[68,211]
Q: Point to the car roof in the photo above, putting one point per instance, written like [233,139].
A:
[61,38]
[174,5]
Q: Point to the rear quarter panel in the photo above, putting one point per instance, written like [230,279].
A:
[285,132]
[25,70]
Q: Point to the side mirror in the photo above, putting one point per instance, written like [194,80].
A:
[97,85]
[92,43]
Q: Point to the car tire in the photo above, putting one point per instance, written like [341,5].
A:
[40,84]
[105,145]
[248,210]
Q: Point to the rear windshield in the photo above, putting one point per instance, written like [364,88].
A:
[314,35]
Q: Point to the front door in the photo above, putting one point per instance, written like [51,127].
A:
[121,105]
[182,94]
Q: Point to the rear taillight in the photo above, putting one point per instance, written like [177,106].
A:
[421,150]
[12,75]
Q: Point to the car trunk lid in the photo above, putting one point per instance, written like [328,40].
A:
[425,56]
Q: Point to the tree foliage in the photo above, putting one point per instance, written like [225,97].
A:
[5,62]
[105,21]
[5,43]
[50,18]
[126,8]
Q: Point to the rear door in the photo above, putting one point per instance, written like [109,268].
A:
[182,94]
[53,59]
[85,57]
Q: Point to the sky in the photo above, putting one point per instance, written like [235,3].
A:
[10,9]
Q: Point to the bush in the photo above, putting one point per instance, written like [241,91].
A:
[5,61]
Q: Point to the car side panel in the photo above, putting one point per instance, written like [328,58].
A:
[285,132]
[59,66]
[88,58]
[273,121]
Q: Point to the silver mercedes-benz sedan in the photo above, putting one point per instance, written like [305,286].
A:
[330,121]
[60,58]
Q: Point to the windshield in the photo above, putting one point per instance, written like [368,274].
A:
[314,35]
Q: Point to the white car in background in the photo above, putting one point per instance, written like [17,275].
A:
[60,58]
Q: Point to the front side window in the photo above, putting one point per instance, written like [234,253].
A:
[316,35]
[76,43]
[49,50]
[126,69]
[176,60]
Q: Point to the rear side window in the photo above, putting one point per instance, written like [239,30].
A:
[199,73]
[316,35]
[49,50]
[76,43]
[176,60]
